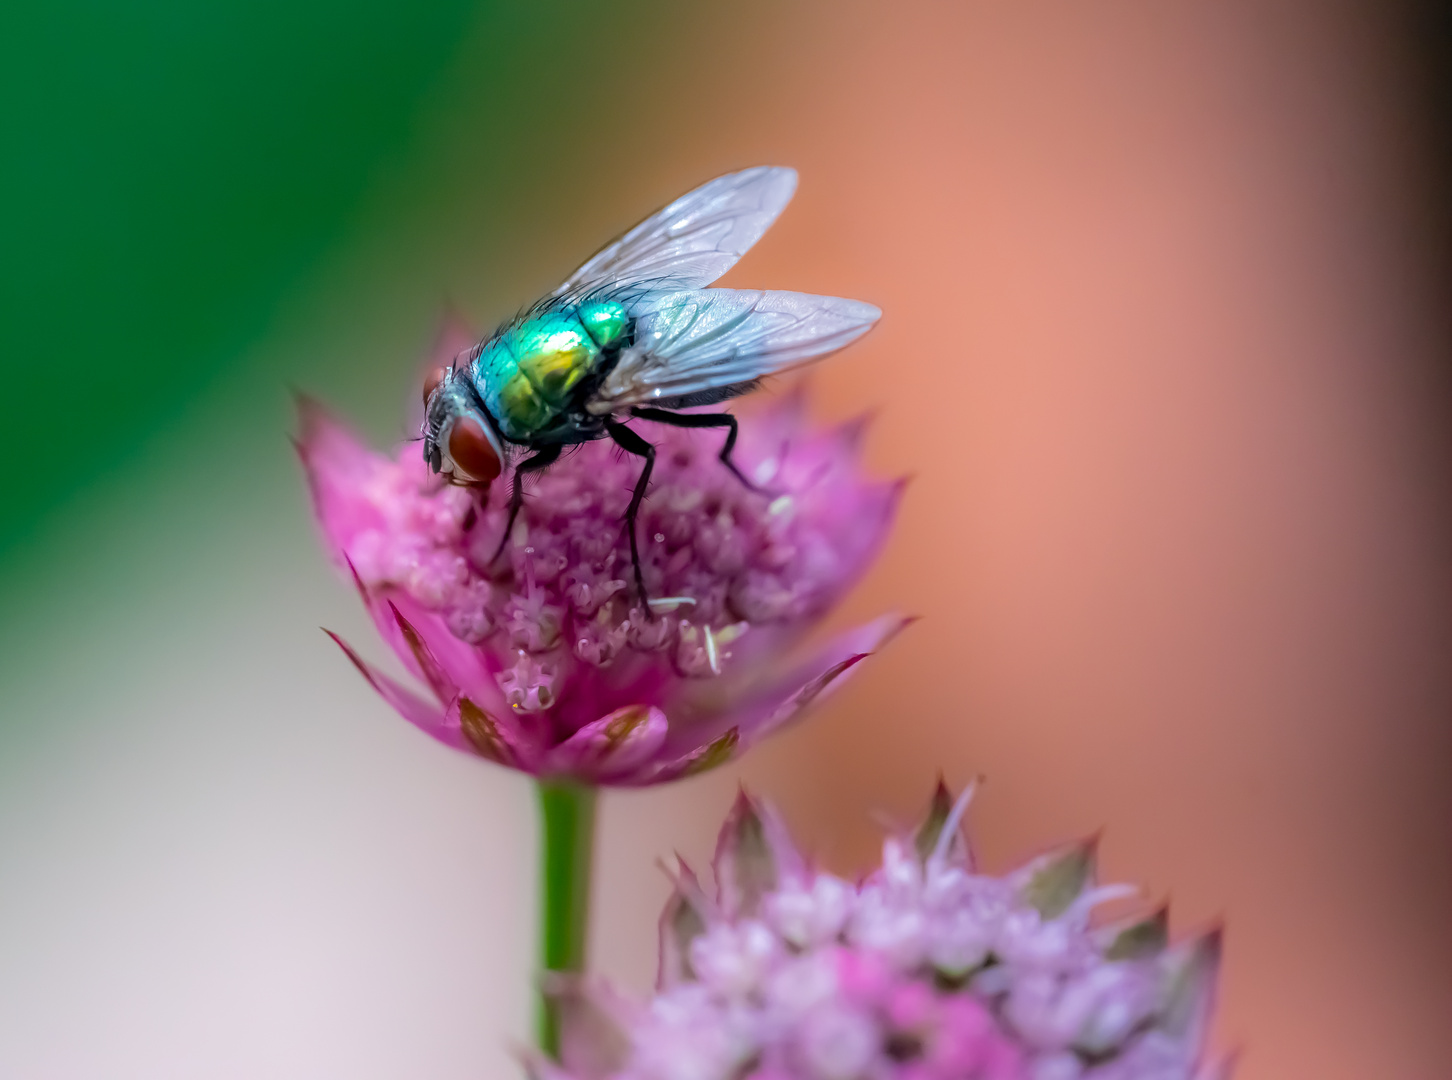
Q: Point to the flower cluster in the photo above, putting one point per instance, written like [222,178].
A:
[926,970]
[544,658]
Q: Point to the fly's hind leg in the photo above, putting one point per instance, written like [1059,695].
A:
[632,443]
[702,420]
[543,458]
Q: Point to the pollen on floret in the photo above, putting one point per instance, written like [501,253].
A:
[722,559]
[545,631]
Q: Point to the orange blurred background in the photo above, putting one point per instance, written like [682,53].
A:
[1161,353]
[1164,351]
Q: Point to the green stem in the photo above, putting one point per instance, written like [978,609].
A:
[567,835]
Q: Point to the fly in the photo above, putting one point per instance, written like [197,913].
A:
[634,333]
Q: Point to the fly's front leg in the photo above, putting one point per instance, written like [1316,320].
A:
[702,420]
[632,443]
[543,458]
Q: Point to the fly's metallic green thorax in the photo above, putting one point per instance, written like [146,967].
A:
[532,372]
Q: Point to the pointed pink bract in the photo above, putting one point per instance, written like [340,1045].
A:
[533,659]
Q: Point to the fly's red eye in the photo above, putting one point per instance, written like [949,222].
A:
[431,383]
[472,451]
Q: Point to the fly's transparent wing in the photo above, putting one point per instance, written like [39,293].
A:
[695,340]
[695,239]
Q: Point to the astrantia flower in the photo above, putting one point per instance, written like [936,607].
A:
[545,659]
[926,970]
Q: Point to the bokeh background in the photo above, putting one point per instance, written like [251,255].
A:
[1164,349]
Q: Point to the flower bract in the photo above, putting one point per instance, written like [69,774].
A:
[545,659]
[924,970]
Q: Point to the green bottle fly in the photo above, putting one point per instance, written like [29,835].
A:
[634,334]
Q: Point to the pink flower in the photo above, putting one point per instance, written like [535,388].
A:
[544,659]
[926,970]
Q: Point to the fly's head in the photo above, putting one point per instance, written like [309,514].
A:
[458,435]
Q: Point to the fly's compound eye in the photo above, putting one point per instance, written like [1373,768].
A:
[473,451]
[432,383]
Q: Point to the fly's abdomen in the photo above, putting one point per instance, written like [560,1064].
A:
[527,374]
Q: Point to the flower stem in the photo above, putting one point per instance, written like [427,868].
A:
[567,835]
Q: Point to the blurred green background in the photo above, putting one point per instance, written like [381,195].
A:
[172,170]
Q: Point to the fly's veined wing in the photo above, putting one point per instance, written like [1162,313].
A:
[695,239]
[695,340]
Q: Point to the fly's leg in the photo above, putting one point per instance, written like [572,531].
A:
[632,443]
[702,420]
[543,458]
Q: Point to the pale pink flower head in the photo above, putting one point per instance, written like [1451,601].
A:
[924,970]
[545,659]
